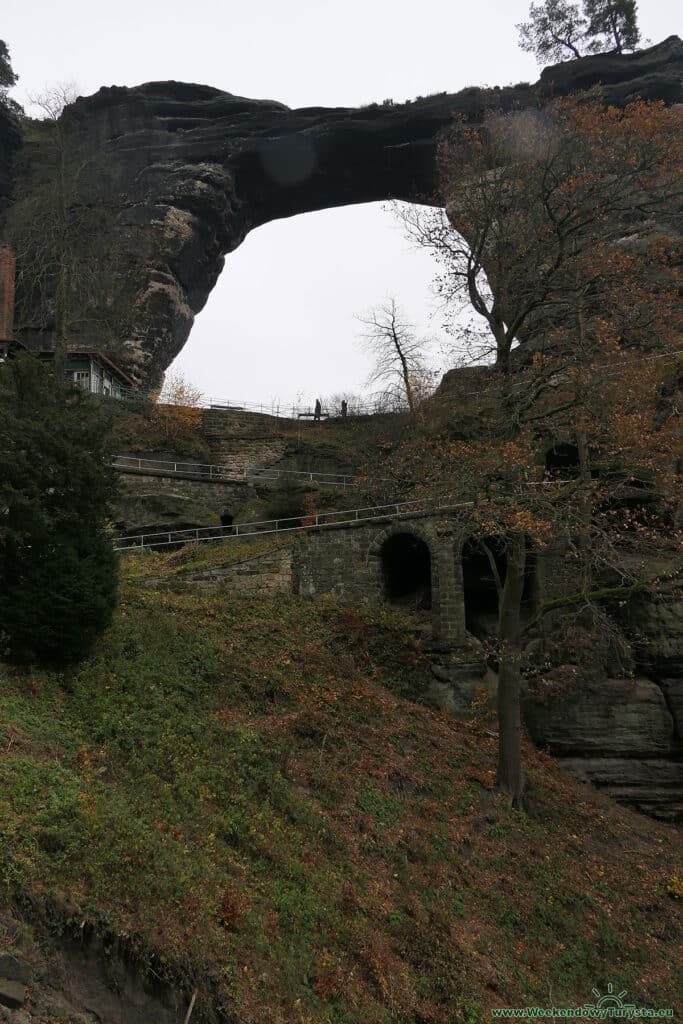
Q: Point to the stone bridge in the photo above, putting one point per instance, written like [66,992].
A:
[415,561]
[421,560]
[623,734]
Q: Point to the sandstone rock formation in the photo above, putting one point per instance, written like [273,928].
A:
[10,142]
[181,173]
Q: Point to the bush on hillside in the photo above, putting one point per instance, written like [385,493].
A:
[58,572]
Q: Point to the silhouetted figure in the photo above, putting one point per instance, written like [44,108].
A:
[318,411]
[345,408]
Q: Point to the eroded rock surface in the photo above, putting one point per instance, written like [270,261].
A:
[608,718]
[10,142]
[181,173]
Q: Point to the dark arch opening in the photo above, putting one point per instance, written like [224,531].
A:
[481,593]
[407,571]
[562,460]
[479,585]
[227,519]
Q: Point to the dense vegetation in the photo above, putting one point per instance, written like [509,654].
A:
[57,566]
[247,791]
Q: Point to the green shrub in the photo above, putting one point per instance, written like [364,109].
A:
[57,565]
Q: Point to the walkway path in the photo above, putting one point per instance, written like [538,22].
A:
[160,467]
[316,521]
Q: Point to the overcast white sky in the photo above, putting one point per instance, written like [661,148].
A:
[280,321]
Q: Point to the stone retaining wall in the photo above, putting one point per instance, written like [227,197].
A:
[151,500]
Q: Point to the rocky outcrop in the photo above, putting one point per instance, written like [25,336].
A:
[653,786]
[180,173]
[10,143]
[622,76]
[656,625]
[622,735]
[608,718]
[151,503]
[74,975]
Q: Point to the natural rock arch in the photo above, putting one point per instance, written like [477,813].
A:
[181,173]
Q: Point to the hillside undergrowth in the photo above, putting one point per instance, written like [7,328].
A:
[246,787]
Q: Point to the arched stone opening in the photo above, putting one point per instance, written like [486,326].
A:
[227,519]
[406,564]
[562,460]
[479,584]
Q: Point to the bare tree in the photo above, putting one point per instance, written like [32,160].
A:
[551,228]
[55,233]
[400,364]
[51,102]
[537,205]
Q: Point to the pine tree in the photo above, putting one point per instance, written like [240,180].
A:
[612,25]
[554,31]
[57,565]
[558,30]
[8,78]
[7,75]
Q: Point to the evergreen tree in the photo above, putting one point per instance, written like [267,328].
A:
[7,75]
[559,30]
[7,79]
[612,25]
[554,31]
[57,565]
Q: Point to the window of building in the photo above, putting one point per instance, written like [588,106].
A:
[81,377]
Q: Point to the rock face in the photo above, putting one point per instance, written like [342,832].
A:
[181,173]
[76,976]
[148,503]
[609,718]
[10,142]
[622,735]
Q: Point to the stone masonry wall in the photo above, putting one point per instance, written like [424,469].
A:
[346,561]
[243,439]
[335,561]
[621,734]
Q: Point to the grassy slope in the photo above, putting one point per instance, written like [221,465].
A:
[191,558]
[245,785]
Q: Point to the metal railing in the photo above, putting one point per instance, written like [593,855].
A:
[310,521]
[233,474]
[314,521]
[374,405]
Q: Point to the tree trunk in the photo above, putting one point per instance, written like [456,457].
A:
[616,35]
[510,777]
[497,325]
[585,502]
[404,372]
